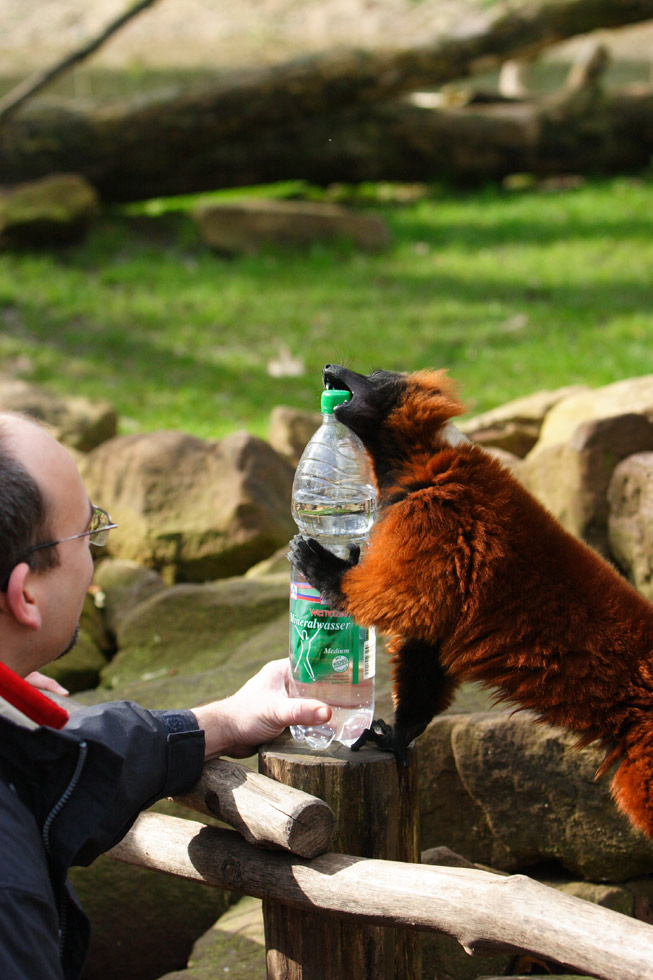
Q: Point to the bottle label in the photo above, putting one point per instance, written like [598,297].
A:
[325,643]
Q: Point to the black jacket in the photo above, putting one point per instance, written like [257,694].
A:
[65,797]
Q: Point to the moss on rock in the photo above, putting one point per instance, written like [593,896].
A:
[187,629]
[234,946]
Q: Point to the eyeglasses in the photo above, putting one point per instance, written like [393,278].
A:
[97,533]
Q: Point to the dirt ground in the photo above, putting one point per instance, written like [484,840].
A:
[226,33]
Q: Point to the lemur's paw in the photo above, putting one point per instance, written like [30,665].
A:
[321,567]
[302,552]
[386,739]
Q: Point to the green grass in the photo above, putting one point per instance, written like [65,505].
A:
[511,291]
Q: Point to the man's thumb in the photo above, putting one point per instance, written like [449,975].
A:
[309,713]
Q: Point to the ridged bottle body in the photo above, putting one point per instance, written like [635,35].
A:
[332,658]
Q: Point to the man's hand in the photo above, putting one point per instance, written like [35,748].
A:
[37,679]
[257,713]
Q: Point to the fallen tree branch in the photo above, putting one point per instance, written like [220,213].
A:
[397,140]
[323,119]
[311,85]
[486,913]
[21,94]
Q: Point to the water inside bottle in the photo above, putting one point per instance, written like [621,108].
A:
[332,518]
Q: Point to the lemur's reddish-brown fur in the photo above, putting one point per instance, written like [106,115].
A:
[466,568]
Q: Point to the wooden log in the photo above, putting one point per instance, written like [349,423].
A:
[265,812]
[376,817]
[395,140]
[314,118]
[484,912]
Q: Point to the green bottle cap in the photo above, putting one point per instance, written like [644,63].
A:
[332,397]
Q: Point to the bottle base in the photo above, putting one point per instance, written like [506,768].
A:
[354,725]
[317,738]
[346,727]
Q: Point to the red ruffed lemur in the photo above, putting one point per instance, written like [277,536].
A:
[472,579]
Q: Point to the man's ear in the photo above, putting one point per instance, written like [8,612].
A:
[20,599]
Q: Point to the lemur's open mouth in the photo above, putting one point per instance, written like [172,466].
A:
[331,378]
[342,378]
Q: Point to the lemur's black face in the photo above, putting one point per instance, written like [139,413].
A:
[397,416]
[373,397]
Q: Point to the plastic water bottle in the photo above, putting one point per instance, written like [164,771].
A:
[331,658]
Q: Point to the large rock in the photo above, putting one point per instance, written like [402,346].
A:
[233,947]
[633,395]
[276,565]
[77,422]
[572,479]
[143,923]
[618,898]
[290,429]
[507,792]
[515,426]
[191,509]
[507,459]
[187,629]
[174,683]
[54,209]
[122,585]
[247,226]
[630,523]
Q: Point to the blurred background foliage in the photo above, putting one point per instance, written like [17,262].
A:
[513,287]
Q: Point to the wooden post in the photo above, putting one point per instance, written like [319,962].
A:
[375,805]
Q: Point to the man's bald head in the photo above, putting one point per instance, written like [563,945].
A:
[24,512]
[45,560]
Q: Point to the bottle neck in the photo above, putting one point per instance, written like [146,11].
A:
[328,418]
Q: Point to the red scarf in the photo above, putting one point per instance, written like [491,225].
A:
[29,700]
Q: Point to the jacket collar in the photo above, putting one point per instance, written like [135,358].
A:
[23,704]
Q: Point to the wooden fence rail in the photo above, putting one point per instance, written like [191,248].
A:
[265,812]
[487,913]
